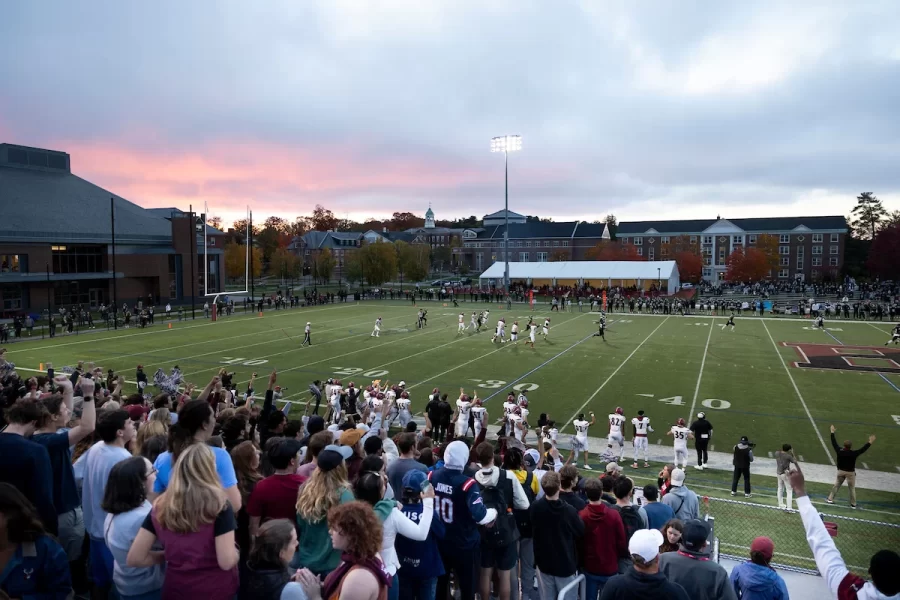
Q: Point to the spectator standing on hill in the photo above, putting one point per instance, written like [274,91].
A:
[846,466]
[604,540]
[884,566]
[684,502]
[692,569]
[741,459]
[34,564]
[195,524]
[755,579]
[116,431]
[784,458]
[657,512]
[557,529]
[702,430]
[643,581]
[25,464]
[460,494]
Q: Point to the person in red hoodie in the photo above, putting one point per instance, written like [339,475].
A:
[604,539]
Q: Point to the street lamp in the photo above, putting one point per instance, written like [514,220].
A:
[506,144]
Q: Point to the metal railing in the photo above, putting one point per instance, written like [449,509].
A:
[581,582]
[738,523]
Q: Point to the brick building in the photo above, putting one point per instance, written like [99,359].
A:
[56,241]
[809,248]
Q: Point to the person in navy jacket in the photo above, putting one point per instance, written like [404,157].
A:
[38,567]
[420,562]
[459,505]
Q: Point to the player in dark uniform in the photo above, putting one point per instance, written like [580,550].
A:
[895,336]
[820,322]
[462,511]
[602,328]
[702,430]
[730,322]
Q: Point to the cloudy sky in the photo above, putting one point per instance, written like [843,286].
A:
[665,110]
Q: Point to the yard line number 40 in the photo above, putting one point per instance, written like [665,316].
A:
[713,403]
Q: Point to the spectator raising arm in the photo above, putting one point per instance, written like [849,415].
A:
[89,411]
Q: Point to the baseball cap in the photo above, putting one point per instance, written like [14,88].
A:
[414,480]
[287,448]
[333,456]
[351,437]
[532,455]
[701,415]
[745,439]
[613,467]
[677,478]
[764,546]
[694,535]
[645,543]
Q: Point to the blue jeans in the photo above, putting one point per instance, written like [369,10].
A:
[418,589]
[594,585]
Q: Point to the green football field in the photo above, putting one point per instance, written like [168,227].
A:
[745,379]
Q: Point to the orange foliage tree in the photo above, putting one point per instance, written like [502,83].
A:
[690,266]
[746,265]
[612,251]
[768,245]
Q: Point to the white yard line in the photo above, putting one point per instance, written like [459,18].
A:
[702,365]
[799,395]
[879,329]
[603,385]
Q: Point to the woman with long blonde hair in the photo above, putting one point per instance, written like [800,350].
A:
[150,429]
[326,488]
[195,524]
[161,415]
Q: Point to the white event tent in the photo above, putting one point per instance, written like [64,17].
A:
[598,273]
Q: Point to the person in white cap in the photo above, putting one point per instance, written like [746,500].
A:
[702,430]
[643,580]
[682,500]
[307,331]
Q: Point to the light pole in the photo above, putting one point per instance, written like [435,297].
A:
[506,144]
[658,280]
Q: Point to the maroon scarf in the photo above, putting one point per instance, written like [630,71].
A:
[348,561]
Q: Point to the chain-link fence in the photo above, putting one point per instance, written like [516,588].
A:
[738,523]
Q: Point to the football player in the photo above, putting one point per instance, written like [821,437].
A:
[616,421]
[895,336]
[579,440]
[377,330]
[681,433]
[641,425]
[463,405]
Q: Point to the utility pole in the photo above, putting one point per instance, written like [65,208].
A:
[193,230]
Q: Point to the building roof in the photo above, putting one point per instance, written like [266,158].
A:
[761,225]
[534,229]
[59,206]
[327,239]
[501,214]
[585,269]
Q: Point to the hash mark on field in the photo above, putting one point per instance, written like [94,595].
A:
[801,458]
[865,466]
[771,455]
[799,395]
[608,379]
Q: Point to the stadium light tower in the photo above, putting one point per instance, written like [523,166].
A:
[506,144]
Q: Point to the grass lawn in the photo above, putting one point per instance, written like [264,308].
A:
[745,379]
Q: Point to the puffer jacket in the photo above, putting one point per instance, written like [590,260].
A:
[756,582]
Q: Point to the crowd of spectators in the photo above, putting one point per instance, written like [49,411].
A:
[203,494]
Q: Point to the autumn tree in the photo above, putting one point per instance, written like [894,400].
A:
[241,226]
[746,265]
[867,215]
[884,255]
[284,263]
[297,227]
[559,255]
[277,223]
[322,219]
[690,266]
[236,261]
[607,250]
[353,266]
[323,265]
[412,261]
[768,245]
[379,263]
[405,220]
[214,222]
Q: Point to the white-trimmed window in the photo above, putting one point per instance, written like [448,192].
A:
[784,261]
[817,238]
[817,261]
[817,249]
[833,250]
[528,244]
[799,263]
[556,243]
[650,254]
[541,256]
[693,239]
[834,238]
[565,243]
[707,239]
[638,241]
[784,273]
[523,257]
[737,239]
[784,238]
[832,261]
[784,249]
[624,240]
[664,239]
[640,251]
[751,239]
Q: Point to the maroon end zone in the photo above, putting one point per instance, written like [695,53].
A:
[867,359]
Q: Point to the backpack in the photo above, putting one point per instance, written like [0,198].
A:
[523,517]
[502,533]
[631,519]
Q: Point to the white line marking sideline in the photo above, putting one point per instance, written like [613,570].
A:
[603,385]
[799,395]
[702,365]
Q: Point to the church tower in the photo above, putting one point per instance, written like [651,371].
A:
[429,218]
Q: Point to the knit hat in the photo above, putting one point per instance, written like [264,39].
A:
[764,546]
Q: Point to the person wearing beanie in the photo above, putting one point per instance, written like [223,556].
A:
[884,566]
[643,580]
[691,567]
[684,502]
[462,510]
[755,579]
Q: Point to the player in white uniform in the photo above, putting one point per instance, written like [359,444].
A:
[642,427]
[480,416]
[463,405]
[377,330]
[514,333]
[545,331]
[516,424]
[474,322]
[376,401]
[579,440]
[508,407]
[532,331]
[681,433]
[523,412]
[336,404]
[501,332]
[895,336]
[404,414]
[462,323]
[485,316]
[616,421]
